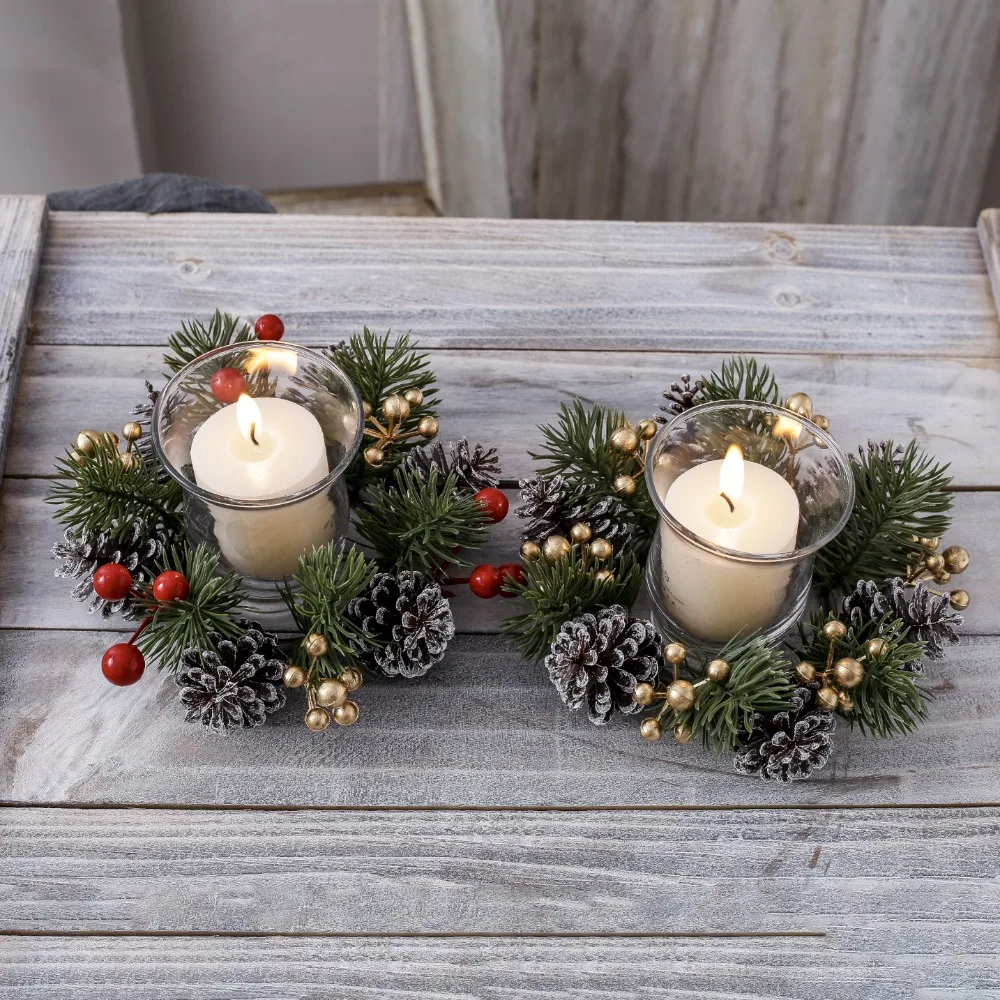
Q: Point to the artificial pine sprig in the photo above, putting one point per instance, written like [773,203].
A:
[740,378]
[578,446]
[194,339]
[420,524]
[560,591]
[888,701]
[325,583]
[758,682]
[188,623]
[902,495]
[102,493]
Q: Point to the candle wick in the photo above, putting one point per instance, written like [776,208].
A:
[253,437]
[732,506]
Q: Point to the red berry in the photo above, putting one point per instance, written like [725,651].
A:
[112,582]
[485,581]
[228,384]
[170,586]
[123,664]
[494,502]
[269,327]
[511,573]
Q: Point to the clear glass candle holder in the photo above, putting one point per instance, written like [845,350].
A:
[704,590]
[263,491]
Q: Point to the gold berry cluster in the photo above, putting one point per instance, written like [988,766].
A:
[395,410]
[591,551]
[940,567]
[838,677]
[801,404]
[634,443]
[326,699]
[679,696]
[88,441]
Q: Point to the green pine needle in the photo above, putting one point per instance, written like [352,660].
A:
[326,582]
[93,491]
[561,591]
[740,378]
[888,701]
[418,525]
[578,446]
[900,495]
[209,607]
[758,682]
[194,339]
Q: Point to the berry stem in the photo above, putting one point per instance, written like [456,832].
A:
[139,630]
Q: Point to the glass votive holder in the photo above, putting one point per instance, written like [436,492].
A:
[738,535]
[261,456]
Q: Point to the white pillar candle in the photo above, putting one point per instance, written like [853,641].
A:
[260,449]
[715,597]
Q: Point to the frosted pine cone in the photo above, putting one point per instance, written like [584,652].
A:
[410,620]
[551,507]
[237,684]
[789,745]
[475,467]
[597,660]
[681,396]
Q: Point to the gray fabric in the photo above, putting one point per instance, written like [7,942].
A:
[155,193]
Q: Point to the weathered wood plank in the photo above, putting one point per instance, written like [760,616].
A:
[469,968]
[603,872]
[114,280]
[483,728]
[500,397]
[38,599]
[22,224]
[989,239]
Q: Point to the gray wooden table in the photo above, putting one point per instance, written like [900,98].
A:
[470,838]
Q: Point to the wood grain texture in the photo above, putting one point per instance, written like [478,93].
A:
[489,969]
[500,397]
[989,238]
[509,284]
[22,225]
[484,728]
[606,872]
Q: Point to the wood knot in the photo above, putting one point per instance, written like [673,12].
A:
[788,298]
[781,246]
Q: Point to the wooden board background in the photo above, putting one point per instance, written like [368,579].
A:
[469,836]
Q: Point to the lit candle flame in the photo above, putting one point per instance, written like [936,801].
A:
[249,419]
[731,476]
[265,359]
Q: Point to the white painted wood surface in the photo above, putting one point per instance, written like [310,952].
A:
[472,803]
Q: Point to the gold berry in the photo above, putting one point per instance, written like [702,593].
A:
[130,459]
[930,543]
[346,714]
[956,559]
[580,533]
[316,645]
[600,549]
[823,423]
[643,694]
[935,563]
[132,431]
[834,631]
[625,485]
[87,441]
[959,599]
[624,439]
[805,672]
[413,396]
[331,693]
[395,408]
[674,653]
[317,719]
[294,676]
[604,576]
[683,732]
[877,647]
[366,408]
[845,702]
[800,403]
[717,671]
[352,678]
[428,427]
[650,730]
[374,456]
[827,698]
[681,695]
[531,551]
[848,672]
[646,429]
[556,548]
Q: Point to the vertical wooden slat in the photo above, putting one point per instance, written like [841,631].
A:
[399,154]
[22,224]
[989,239]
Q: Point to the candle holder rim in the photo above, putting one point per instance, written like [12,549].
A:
[792,556]
[267,503]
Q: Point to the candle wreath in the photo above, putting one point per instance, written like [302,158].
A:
[381,609]
[857,656]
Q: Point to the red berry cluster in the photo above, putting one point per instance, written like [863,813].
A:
[123,663]
[487,581]
[228,384]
